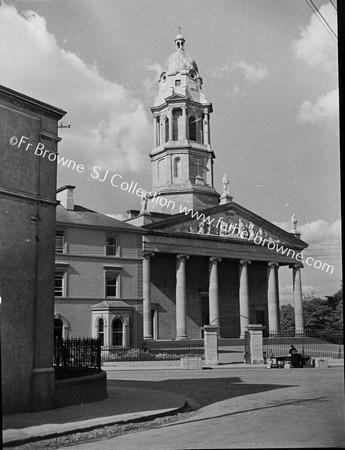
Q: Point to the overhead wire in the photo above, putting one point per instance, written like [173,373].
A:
[318,15]
[333,5]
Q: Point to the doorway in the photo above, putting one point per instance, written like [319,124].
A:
[58,325]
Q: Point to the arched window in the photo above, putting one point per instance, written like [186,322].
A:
[166,129]
[58,325]
[101,330]
[177,162]
[117,328]
[192,128]
[176,123]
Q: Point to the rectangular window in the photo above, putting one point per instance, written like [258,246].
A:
[59,242]
[111,284]
[59,290]
[177,82]
[111,246]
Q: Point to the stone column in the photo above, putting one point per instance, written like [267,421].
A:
[273,298]
[157,134]
[184,123]
[147,296]
[297,297]
[170,125]
[125,331]
[181,307]
[244,297]
[213,296]
[154,131]
[206,129]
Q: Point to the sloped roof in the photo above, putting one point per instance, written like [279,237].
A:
[111,304]
[84,217]
[172,224]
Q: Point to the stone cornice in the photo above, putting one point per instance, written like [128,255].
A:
[27,196]
[31,104]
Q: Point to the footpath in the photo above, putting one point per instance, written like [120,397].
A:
[123,405]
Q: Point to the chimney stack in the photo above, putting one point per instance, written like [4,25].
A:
[65,196]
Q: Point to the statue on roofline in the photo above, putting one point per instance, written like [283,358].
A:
[294,224]
[226,183]
[143,203]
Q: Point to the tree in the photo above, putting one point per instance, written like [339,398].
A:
[287,317]
[318,314]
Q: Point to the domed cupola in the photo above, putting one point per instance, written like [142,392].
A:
[180,60]
[180,75]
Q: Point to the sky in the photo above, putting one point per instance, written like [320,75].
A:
[269,67]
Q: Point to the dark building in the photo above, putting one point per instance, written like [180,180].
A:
[28,141]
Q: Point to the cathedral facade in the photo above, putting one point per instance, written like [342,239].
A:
[207,260]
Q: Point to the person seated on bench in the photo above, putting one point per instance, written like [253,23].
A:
[296,358]
[293,350]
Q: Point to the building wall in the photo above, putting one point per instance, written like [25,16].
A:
[27,223]
[85,277]
[257,274]
[163,289]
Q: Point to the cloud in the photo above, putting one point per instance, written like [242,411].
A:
[252,72]
[288,290]
[326,107]
[316,46]
[155,67]
[150,82]
[286,293]
[318,231]
[109,125]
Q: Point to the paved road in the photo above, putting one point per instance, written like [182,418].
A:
[248,408]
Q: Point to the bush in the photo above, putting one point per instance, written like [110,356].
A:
[137,354]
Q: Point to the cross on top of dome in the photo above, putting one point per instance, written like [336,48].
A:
[179,40]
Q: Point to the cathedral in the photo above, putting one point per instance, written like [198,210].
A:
[188,257]
[206,259]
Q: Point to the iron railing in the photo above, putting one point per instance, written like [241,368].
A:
[311,343]
[77,353]
[177,347]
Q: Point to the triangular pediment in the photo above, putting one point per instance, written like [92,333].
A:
[230,222]
[174,97]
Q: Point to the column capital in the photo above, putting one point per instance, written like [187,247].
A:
[296,266]
[245,261]
[273,264]
[148,255]
[215,259]
[182,256]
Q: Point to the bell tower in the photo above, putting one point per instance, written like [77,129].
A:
[182,157]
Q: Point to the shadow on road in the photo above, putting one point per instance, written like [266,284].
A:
[204,391]
[277,404]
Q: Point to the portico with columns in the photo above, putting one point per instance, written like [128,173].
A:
[218,267]
[208,279]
